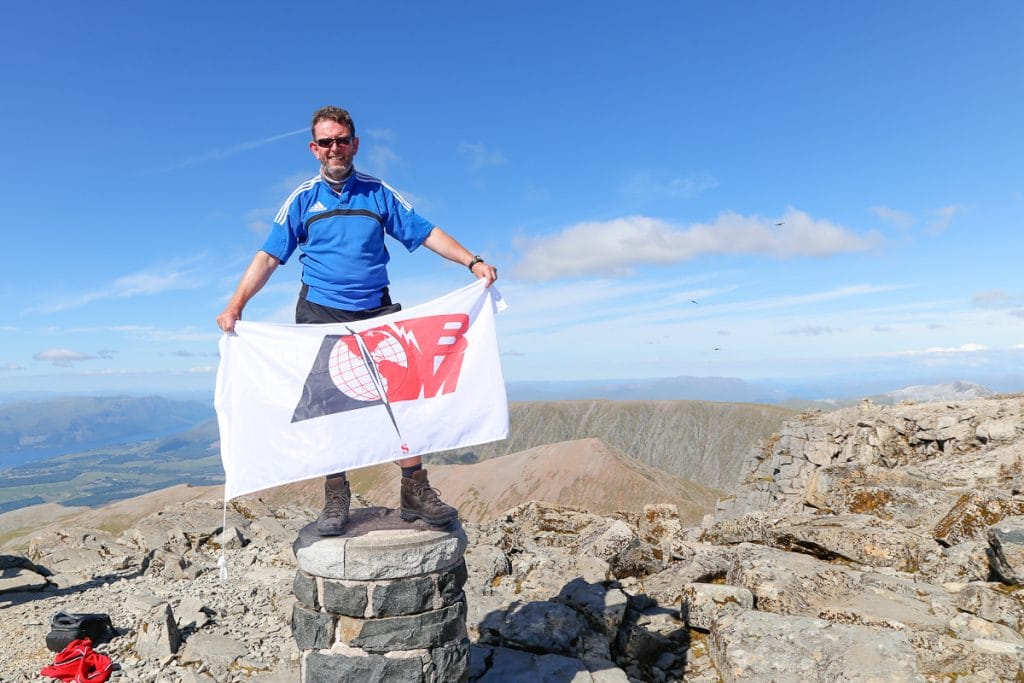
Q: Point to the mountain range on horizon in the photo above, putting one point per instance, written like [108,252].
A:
[85,451]
[788,391]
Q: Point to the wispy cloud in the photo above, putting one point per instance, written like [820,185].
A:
[997,298]
[191,334]
[177,275]
[614,247]
[793,300]
[380,159]
[225,152]
[646,187]
[479,155]
[813,331]
[900,219]
[379,134]
[10,367]
[258,220]
[944,217]
[63,357]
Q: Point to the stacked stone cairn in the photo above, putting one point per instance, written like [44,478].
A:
[383,602]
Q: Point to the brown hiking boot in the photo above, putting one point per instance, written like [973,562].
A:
[334,517]
[419,501]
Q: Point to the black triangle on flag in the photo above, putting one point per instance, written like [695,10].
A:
[321,394]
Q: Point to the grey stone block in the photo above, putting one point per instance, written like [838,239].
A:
[449,663]
[543,627]
[426,630]
[450,584]
[506,665]
[403,596]
[378,544]
[311,629]
[158,633]
[349,600]
[332,668]
[1006,539]
[304,588]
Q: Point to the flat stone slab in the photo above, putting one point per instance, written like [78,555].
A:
[379,544]
[760,646]
[795,584]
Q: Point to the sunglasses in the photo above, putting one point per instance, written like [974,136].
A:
[341,140]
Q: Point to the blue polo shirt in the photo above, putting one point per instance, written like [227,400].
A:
[341,237]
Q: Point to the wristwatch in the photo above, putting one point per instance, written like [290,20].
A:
[476,260]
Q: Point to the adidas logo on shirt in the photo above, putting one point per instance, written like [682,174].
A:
[318,207]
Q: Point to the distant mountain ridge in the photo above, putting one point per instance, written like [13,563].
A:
[728,389]
[585,473]
[33,430]
[952,391]
[702,441]
[699,441]
[107,473]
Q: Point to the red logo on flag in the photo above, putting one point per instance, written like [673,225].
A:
[402,361]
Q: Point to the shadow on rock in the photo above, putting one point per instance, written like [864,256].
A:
[588,632]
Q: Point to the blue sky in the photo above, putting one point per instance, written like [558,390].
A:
[838,186]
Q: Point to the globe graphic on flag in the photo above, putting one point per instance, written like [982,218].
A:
[350,374]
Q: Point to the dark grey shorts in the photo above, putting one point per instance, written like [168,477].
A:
[307,312]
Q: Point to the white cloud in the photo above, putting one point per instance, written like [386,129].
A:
[900,219]
[963,348]
[479,155]
[943,218]
[6,367]
[945,350]
[614,247]
[62,357]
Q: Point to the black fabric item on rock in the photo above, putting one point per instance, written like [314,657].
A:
[66,627]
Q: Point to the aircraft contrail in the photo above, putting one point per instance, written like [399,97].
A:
[225,152]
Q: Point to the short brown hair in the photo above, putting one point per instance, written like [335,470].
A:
[331,113]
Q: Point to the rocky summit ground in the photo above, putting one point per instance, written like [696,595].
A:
[873,543]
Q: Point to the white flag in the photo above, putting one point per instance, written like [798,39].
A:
[300,401]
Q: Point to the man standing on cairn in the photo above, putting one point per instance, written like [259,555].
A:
[338,220]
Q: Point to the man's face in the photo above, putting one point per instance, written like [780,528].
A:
[337,158]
